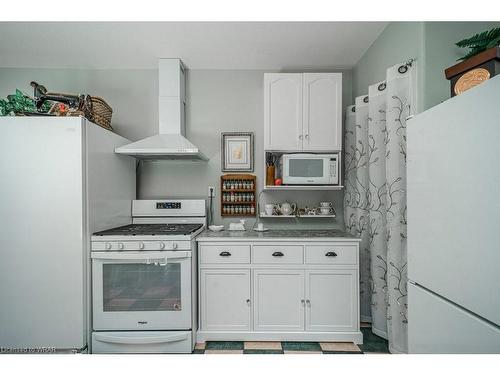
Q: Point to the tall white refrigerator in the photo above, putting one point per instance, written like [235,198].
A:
[60,182]
[454,224]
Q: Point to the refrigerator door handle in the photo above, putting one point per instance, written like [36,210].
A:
[140,340]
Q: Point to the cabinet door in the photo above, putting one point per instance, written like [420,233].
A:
[283,111]
[331,300]
[322,112]
[278,296]
[225,299]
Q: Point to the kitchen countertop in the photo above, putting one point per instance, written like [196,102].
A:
[278,234]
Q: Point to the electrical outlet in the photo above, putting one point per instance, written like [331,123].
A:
[211,192]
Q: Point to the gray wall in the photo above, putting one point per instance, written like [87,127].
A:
[397,43]
[431,43]
[218,101]
[441,53]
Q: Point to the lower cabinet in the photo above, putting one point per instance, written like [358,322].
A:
[309,292]
[278,300]
[225,299]
[331,300]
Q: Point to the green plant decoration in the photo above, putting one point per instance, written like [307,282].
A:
[20,102]
[480,42]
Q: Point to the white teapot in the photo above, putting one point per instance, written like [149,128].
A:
[287,209]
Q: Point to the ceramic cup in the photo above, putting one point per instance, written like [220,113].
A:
[325,210]
[326,204]
[269,207]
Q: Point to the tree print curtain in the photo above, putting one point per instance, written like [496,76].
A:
[375,200]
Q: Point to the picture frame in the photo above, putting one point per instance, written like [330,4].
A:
[237,152]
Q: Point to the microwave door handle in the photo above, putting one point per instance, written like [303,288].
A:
[139,340]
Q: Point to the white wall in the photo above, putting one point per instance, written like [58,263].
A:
[218,101]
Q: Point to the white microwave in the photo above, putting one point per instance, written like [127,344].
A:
[310,169]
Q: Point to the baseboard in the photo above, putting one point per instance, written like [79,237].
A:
[355,337]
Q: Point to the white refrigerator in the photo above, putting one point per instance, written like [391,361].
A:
[61,181]
[454,224]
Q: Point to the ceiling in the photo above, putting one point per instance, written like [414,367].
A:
[201,45]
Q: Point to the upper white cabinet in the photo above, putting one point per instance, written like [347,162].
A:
[283,111]
[322,111]
[303,111]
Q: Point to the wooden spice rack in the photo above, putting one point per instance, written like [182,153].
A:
[238,195]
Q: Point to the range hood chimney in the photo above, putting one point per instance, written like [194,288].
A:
[170,143]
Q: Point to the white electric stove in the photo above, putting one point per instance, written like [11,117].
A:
[144,281]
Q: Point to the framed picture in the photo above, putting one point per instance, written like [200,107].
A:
[237,152]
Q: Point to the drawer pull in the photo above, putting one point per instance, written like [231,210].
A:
[331,254]
[225,254]
[278,254]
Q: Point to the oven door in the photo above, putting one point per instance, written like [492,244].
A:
[306,170]
[141,290]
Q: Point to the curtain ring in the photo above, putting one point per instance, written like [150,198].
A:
[365,99]
[382,86]
[403,69]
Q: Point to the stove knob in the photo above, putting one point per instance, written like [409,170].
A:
[174,245]
[162,245]
[141,245]
[108,246]
[120,246]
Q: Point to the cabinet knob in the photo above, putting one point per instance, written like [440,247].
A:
[302,301]
[307,136]
[300,137]
[225,254]
[331,254]
[308,302]
[278,254]
[248,301]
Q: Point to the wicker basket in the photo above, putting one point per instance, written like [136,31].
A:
[93,108]
[99,112]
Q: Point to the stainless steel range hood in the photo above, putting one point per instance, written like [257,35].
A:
[170,143]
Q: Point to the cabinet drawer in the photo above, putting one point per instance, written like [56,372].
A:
[331,254]
[142,342]
[222,253]
[277,254]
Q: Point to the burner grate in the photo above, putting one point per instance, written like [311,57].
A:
[150,230]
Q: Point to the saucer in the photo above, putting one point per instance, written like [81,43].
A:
[261,230]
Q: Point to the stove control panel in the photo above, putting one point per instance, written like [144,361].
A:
[168,205]
[140,245]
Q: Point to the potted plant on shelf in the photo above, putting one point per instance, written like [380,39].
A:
[479,64]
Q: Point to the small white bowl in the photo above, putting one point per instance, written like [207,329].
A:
[216,228]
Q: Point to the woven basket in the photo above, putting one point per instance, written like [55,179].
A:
[99,112]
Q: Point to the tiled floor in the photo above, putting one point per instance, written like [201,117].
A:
[372,344]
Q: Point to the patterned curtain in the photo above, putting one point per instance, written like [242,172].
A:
[375,200]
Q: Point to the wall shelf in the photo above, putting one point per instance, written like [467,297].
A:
[242,189]
[296,216]
[301,187]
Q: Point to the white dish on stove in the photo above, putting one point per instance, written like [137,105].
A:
[216,228]
[261,230]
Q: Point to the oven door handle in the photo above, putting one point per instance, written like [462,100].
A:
[141,257]
[140,340]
